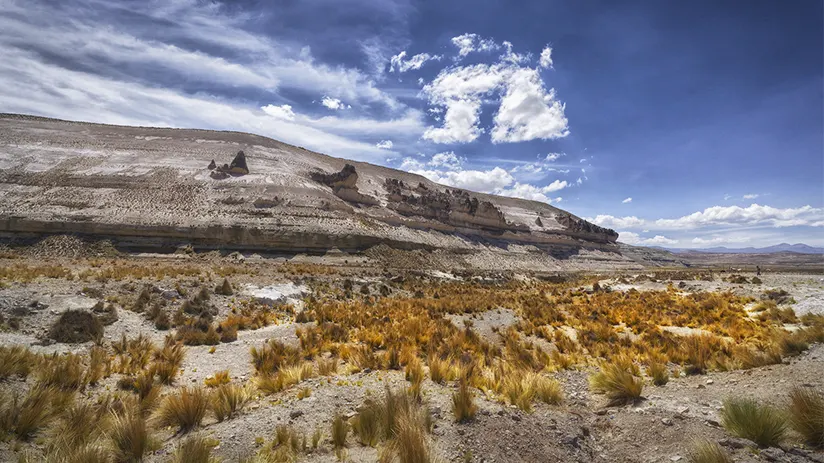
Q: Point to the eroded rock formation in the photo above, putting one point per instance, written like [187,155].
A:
[238,165]
[454,207]
[344,185]
[577,225]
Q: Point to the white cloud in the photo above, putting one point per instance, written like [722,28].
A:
[527,191]
[400,65]
[468,43]
[727,197]
[552,157]
[751,215]
[385,144]
[751,196]
[482,181]
[617,222]
[528,111]
[627,200]
[512,57]
[546,57]
[635,239]
[447,160]
[717,216]
[332,103]
[459,123]
[281,112]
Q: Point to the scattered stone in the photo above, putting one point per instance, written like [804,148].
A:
[676,458]
[666,421]
[773,454]
[709,381]
[734,443]
[295,414]
[212,165]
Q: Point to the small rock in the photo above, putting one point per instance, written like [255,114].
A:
[516,418]
[676,458]
[709,381]
[713,423]
[773,454]
[295,414]
[666,421]
[734,443]
[700,386]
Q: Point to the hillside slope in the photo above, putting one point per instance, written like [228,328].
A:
[157,187]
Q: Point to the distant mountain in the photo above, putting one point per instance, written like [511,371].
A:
[783,247]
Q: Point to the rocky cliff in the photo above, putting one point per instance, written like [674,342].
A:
[164,187]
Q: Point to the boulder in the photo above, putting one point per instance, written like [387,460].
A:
[346,178]
[212,165]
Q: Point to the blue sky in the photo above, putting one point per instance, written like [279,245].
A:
[681,124]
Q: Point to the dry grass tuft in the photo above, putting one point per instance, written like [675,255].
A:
[16,361]
[705,451]
[24,418]
[219,378]
[130,437]
[619,384]
[807,416]
[195,449]
[658,372]
[227,400]
[463,403]
[340,429]
[328,367]
[762,424]
[184,409]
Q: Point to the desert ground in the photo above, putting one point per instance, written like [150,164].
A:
[113,356]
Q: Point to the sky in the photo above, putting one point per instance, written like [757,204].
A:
[678,124]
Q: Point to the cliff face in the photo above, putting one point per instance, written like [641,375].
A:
[161,186]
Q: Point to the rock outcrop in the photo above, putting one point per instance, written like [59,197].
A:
[344,185]
[238,165]
[454,207]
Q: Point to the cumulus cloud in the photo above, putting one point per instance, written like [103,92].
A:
[627,200]
[534,193]
[751,196]
[527,110]
[332,103]
[609,221]
[636,240]
[281,112]
[448,168]
[385,144]
[546,57]
[552,157]
[484,181]
[399,64]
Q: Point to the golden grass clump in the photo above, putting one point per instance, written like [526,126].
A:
[130,437]
[463,403]
[807,416]
[219,378]
[24,417]
[415,375]
[619,384]
[328,367]
[706,451]
[657,370]
[227,400]
[184,409]
[411,443]
[195,449]
[340,429]
[168,360]
[65,372]
[16,361]
[763,424]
